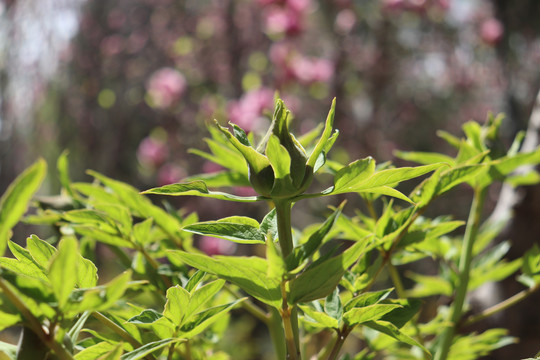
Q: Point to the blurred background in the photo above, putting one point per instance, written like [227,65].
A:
[128,86]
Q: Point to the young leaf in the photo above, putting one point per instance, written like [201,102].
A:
[149,348]
[63,270]
[321,279]
[14,201]
[391,330]
[321,319]
[176,305]
[197,188]
[360,315]
[352,174]
[41,251]
[333,306]
[249,273]
[95,351]
[239,229]
[205,318]
[323,141]
[147,316]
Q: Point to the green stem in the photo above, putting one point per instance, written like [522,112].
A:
[283,214]
[119,331]
[340,340]
[276,333]
[522,295]
[288,321]
[34,324]
[396,279]
[250,307]
[471,232]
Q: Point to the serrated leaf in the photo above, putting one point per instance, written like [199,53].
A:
[14,201]
[249,273]
[197,188]
[63,270]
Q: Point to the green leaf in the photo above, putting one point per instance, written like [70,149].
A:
[197,188]
[9,350]
[424,158]
[279,158]
[194,280]
[95,351]
[149,348]
[269,224]
[307,249]
[320,280]
[352,174]
[176,305]
[202,295]
[249,273]
[320,318]
[322,144]
[391,330]
[333,306]
[430,285]
[276,264]
[62,166]
[147,316]
[205,318]
[400,316]
[87,276]
[14,201]
[41,251]
[360,315]
[63,270]
[239,229]
[141,231]
[114,354]
[367,299]
[255,159]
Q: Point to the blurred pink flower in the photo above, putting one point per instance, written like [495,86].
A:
[170,174]
[216,246]
[491,31]
[244,191]
[345,21]
[165,87]
[279,20]
[152,152]
[247,111]
[210,167]
[310,70]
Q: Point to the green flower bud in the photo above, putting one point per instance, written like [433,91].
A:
[280,166]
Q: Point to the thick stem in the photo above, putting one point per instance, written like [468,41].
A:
[473,224]
[276,333]
[283,214]
[288,326]
[340,340]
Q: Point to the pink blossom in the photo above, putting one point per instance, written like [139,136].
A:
[210,167]
[165,87]
[152,152]
[311,70]
[216,246]
[170,174]
[491,31]
[299,6]
[247,111]
[345,21]
[279,20]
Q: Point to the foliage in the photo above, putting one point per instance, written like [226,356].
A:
[170,300]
